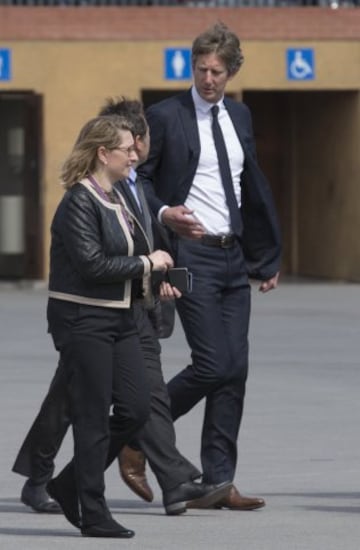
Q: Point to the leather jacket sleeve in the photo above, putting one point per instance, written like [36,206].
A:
[96,247]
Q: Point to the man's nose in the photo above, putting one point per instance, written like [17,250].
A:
[133,156]
[208,76]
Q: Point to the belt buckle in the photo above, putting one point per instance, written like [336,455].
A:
[226,241]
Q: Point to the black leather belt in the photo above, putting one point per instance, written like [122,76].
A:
[220,241]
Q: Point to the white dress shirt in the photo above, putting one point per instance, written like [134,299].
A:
[206,195]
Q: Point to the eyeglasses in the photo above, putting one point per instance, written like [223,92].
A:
[127,150]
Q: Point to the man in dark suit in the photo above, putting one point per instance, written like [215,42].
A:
[173,471]
[175,474]
[203,182]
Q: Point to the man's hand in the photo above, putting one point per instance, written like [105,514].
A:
[181,220]
[270,284]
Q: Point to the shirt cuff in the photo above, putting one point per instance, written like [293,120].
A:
[160,213]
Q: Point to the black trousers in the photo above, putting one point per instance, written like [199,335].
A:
[215,318]
[35,458]
[157,438]
[100,352]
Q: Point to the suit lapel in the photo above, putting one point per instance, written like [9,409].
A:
[187,116]
[144,216]
[191,140]
[239,125]
[130,199]
[147,219]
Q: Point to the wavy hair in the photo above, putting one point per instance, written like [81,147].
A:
[221,41]
[97,132]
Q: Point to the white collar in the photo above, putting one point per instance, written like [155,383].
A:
[202,105]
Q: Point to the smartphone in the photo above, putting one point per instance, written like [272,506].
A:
[181,278]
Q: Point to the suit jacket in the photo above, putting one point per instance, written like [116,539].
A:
[162,315]
[169,171]
[156,233]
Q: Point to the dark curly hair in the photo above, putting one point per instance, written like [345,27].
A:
[130,109]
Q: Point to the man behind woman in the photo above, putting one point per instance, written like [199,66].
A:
[174,472]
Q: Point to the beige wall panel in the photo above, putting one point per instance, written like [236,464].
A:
[337,66]
[75,77]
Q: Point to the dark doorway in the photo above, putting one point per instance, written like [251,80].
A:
[21,239]
[273,127]
[154,96]
[306,145]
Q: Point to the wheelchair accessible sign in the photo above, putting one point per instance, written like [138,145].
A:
[300,64]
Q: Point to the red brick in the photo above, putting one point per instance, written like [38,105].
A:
[176,23]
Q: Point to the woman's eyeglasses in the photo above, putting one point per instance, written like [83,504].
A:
[127,150]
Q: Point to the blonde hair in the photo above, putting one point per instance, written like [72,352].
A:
[97,132]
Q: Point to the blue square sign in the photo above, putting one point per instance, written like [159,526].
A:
[300,64]
[5,64]
[177,64]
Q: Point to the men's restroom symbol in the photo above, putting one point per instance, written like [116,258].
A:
[300,64]
[177,64]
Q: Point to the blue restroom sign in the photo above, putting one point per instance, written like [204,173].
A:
[177,64]
[5,64]
[300,64]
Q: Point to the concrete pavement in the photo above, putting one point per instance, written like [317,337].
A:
[299,445]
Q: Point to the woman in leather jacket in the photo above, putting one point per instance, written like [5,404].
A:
[100,263]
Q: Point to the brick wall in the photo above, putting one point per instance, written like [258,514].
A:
[164,23]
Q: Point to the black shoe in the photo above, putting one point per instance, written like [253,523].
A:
[38,498]
[175,501]
[67,499]
[107,529]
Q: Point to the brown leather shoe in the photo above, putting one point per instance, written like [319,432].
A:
[132,470]
[235,501]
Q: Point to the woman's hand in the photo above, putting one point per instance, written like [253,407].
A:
[161,260]
[168,292]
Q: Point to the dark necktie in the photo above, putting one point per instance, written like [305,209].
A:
[225,172]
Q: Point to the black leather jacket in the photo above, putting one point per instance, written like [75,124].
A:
[91,255]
